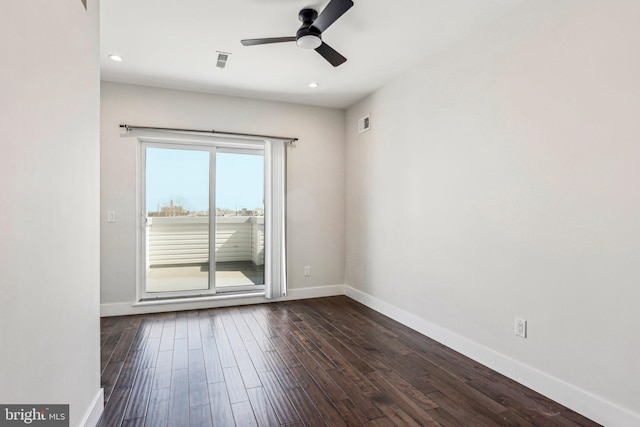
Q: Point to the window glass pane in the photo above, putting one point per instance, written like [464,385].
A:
[239,220]
[177,230]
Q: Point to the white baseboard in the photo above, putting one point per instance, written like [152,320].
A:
[128,308]
[316,292]
[575,398]
[92,416]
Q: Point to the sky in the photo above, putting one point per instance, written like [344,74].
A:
[183,176]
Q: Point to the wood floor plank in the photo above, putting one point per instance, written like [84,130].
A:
[350,413]
[320,377]
[193,331]
[386,405]
[225,352]
[215,319]
[317,396]
[279,368]
[282,406]
[460,390]
[108,348]
[362,402]
[113,413]
[262,340]
[180,354]
[179,398]
[247,370]
[158,410]
[235,386]
[220,405]
[414,409]
[328,361]
[265,325]
[200,416]
[235,339]
[312,349]
[243,414]
[257,356]
[150,353]
[198,386]
[140,393]
[464,413]
[110,377]
[241,325]
[156,329]
[162,375]
[129,370]
[213,366]
[142,335]
[182,328]
[124,345]
[136,422]
[262,409]
[167,338]
[285,352]
[206,331]
[305,408]
[287,338]
[380,422]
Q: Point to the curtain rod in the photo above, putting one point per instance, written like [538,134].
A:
[209,132]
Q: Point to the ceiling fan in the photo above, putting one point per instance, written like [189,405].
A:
[309,36]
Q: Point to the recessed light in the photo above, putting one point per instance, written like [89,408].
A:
[115,57]
[313,85]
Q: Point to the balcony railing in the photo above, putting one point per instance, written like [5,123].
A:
[185,240]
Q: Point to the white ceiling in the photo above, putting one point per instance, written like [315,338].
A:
[173,44]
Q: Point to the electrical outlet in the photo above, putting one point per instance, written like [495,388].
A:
[307,270]
[520,327]
[111,216]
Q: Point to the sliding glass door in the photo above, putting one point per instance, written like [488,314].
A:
[239,221]
[203,220]
[177,198]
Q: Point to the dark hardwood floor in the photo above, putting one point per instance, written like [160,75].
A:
[328,361]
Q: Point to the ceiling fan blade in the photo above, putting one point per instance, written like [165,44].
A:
[255,42]
[331,55]
[330,14]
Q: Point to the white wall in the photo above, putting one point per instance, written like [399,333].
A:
[502,179]
[49,206]
[315,178]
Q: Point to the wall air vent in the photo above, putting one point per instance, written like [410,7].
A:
[223,58]
[364,124]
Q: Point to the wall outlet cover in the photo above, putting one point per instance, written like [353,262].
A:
[520,327]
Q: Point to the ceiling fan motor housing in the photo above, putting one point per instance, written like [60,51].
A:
[308,36]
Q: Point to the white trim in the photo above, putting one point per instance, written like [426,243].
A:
[594,407]
[129,308]
[315,292]
[94,412]
[213,217]
[212,146]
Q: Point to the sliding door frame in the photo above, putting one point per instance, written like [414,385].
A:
[211,146]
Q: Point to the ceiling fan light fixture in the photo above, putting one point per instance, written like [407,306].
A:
[310,41]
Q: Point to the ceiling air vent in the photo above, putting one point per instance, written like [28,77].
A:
[223,57]
[364,124]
